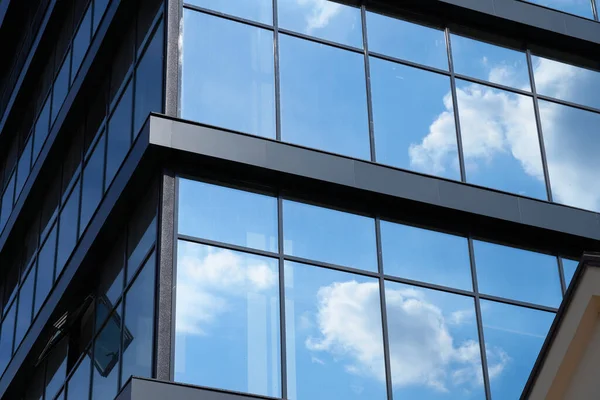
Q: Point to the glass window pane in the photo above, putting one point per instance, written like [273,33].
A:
[7,202]
[569,267]
[517,274]
[583,8]
[41,128]
[500,140]
[35,385]
[328,235]
[149,81]
[119,134]
[572,145]
[227,215]
[425,255]
[227,325]
[434,344]
[99,9]
[81,42]
[513,339]
[255,10]
[23,167]
[91,190]
[106,359]
[490,63]
[228,77]
[323,97]
[324,19]
[61,87]
[413,119]
[25,308]
[78,387]
[7,336]
[56,369]
[141,236]
[566,82]
[67,230]
[111,283]
[45,270]
[139,322]
[405,40]
[333,335]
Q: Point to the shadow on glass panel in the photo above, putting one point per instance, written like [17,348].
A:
[45,270]
[500,140]
[334,335]
[517,274]
[413,119]
[569,267]
[254,10]
[434,344]
[227,323]
[582,8]
[25,309]
[407,41]
[228,77]
[324,19]
[513,339]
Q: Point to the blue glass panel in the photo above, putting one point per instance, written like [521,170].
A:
[513,339]
[23,167]
[91,190]
[323,97]
[490,63]
[328,235]
[78,386]
[99,9]
[119,134]
[61,87]
[228,77]
[106,359]
[81,42]
[324,19]
[569,267]
[25,308]
[7,336]
[434,344]
[255,10]
[41,129]
[141,238]
[500,140]
[67,229]
[425,255]
[45,270]
[227,324]
[517,274]
[7,201]
[583,8]
[413,119]
[566,82]
[572,145]
[405,40]
[227,215]
[333,335]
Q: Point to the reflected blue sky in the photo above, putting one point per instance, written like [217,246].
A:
[334,335]
[406,126]
[434,346]
[425,255]
[569,267]
[517,274]
[513,338]
[583,8]
[255,10]
[401,39]
[227,323]
[323,19]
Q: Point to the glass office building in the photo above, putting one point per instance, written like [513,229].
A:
[291,199]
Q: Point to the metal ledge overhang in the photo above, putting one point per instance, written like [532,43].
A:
[375,189]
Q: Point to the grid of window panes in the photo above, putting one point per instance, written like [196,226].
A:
[132,89]
[353,82]
[285,299]
[60,72]
[113,338]
[582,8]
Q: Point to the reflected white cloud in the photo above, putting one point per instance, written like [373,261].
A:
[321,12]
[423,351]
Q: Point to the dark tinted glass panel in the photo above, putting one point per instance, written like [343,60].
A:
[513,339]
[119,134]
[500,140]
[7,336]
[78,387]
[10,284]
[333,335]
[111,284]
[72,162]
[330,236]
[67,231]
[569,267]
[106,359]
[228,77]
[408,41]
[227,215]
[255,10]
[139,321]
[61,87]
[517,274]
[323,97]
[425,255]
[122,62]
[324,19]
[23,167]
[45,270]
[25,308]
[413,119]
[99,8]
[583,8]
[227,324]
[149,81]
[434,344]
[91,191]
[81,42]
[572,143]
[56,369]
[7,201]
[141,236]
[41,128]
[35,385]
[566,82]
[490,63]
